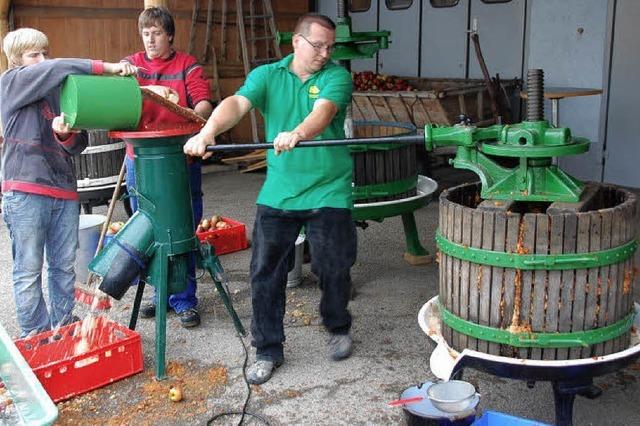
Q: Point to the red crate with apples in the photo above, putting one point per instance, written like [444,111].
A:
[82,356]
[225,235]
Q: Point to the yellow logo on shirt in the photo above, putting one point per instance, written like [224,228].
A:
[314,91]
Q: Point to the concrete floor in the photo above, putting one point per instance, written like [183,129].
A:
[391,351]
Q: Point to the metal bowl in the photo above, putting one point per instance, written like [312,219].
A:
[452,396]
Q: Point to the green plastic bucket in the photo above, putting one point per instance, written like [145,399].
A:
[91,102]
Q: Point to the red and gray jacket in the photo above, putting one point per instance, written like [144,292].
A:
[179,71]
[34,160]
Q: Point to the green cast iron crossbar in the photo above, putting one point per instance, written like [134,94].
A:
[537,340]
[554,262]
[361,192]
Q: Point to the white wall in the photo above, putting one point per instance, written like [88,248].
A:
[567,40]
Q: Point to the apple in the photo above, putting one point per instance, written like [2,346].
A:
[175,394]
[115,227]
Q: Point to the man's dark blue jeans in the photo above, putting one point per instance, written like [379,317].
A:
[332,239]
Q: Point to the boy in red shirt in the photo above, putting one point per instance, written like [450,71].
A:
[172,73]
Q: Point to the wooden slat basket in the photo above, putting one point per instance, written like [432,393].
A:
[549,300]
[376,166]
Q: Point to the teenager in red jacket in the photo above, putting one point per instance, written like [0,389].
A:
[170,73]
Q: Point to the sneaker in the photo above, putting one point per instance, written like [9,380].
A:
[189,318]
[340,346]
[261,371]
[148,310]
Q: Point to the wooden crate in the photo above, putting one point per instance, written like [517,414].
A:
[436,101]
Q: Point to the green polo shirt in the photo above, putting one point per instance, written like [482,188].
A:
[303,178]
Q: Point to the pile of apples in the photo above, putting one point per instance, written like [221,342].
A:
[370,81]
[212,223]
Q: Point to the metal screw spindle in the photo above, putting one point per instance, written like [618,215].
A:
[342,9]
[535,95]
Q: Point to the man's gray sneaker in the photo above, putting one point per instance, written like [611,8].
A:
[261,371]
[340,346]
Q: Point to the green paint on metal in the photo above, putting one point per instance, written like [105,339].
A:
[535,339]
[163,230]
[534,144]
[580,146]
[552,262]
[349,45]
[411,236]
[211,262]
[101,102]
[162,301]
[136,233]
[363,192]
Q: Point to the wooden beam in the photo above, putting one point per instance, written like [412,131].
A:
[4,29]
[52,11]
[156,3]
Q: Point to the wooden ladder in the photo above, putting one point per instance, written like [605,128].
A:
[259,46]
[208,56]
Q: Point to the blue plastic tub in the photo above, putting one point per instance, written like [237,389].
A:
[494,418]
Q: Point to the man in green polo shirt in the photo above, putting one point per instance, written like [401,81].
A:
[304,96]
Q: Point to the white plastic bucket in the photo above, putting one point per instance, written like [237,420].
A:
[294,278]
[88,237]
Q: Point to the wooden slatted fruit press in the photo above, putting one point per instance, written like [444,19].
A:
[536,268]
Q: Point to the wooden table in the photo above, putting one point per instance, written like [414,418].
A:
[557,93]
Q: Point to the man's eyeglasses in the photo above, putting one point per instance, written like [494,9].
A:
[319,47]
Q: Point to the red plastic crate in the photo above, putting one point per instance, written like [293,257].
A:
[114,352]
[226,240]
[87,296]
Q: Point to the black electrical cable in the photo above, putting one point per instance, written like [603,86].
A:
[244,411]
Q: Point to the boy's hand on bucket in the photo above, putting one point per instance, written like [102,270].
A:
[62,129]
[120,68]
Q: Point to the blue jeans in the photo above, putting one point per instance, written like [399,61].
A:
[37,225]
[187,299]
[332,239]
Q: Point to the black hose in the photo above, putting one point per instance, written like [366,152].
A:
[244,411]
